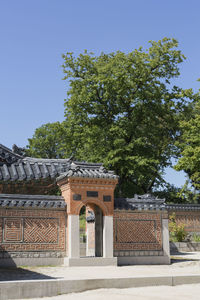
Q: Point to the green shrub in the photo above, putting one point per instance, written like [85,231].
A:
[196,237]
[177,232]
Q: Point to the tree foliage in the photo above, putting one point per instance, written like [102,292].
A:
[174,194]
[122,109]
[49,141]
[189,145]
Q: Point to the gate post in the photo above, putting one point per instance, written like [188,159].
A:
[73,236]
[108,236]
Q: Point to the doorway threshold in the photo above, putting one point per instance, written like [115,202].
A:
[90,261]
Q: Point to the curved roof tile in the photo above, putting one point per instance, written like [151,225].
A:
[28,168]
[32,201]
[140,202]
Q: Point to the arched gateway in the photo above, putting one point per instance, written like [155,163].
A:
[89,184]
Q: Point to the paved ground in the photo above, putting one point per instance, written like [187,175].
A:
[181,292]
[178,267]
[183,264]
[186,263]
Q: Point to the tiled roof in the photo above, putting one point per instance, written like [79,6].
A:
[140,202]
[91,217]
[31,201]
[185,207]
[7,156]
[82,169]
[29,168]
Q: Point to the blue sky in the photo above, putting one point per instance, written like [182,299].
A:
[35,33]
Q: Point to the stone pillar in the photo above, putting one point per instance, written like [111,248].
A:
[90,247]
[165,234]
[73,236]
[108,236]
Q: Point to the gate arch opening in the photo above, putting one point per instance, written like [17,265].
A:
[91,230]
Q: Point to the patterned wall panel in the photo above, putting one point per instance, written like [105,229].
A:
[191,220]
[32,230]
[135,231]
[13,230]
[40,230]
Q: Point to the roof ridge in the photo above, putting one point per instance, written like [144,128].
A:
[8,156]
[35,159]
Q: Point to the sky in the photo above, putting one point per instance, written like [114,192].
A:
[35,33]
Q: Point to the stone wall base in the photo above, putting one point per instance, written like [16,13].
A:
[143,260]
[184,247]
[15,259]
[123,253]
[90,261]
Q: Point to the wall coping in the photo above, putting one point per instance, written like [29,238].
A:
[31,201]
[184,207]
[140,202]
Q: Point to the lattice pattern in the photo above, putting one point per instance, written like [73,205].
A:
[40,230]
[13,230]
[136,231]
[191,221]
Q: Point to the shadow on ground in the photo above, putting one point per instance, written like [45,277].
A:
[178,257]
[175,260]
[12,274]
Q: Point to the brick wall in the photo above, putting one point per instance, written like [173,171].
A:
[44,186]
[137,233]
[30,230]
[190,218]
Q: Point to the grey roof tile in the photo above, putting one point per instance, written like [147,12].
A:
[140,202]
[7,155]
[31,201]
[27,168]
[183,207]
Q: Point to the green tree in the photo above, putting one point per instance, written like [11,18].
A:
[124,111]
[49,141]
[189,145]
[174,194]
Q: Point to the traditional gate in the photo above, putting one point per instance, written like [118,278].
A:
[89,184]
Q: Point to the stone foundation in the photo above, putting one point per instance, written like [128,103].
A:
[27,258]
[184,247]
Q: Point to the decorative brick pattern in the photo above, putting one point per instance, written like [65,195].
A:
[47,232]
[191,219]
[137,231]
[40,230]
[13,230]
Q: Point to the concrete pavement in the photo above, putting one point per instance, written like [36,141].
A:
[35,282]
